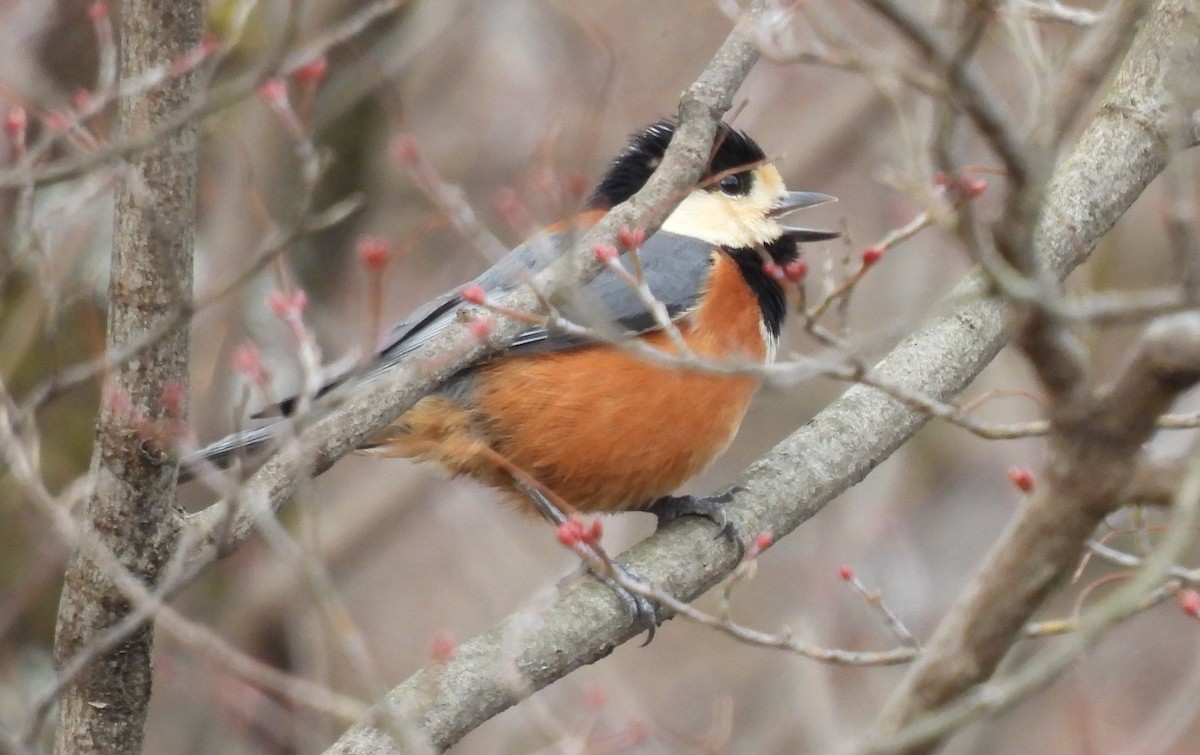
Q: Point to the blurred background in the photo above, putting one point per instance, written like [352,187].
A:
[526,99]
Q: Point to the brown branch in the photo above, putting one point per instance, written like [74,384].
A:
[278,61]
[1155,481]
[1093,460]
[1086,67]
[966,89]
[130,510]
[782,640]
[1127,600]
[1095,441]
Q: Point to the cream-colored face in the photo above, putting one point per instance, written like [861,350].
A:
[732,221]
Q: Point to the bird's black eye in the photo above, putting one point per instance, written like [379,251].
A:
[735,184]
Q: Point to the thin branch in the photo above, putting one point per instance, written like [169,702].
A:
[967,90]
[1086,68]
[279,62]
[1093,461]
[780,641]
[1053,10]
[1037,672]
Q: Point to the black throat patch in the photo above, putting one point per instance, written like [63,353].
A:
[771,298]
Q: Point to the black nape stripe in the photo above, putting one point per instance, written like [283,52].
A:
[770,295]
[642,155]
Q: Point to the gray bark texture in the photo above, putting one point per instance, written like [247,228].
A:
[129,512]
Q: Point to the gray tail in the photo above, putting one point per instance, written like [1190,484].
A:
[250,445]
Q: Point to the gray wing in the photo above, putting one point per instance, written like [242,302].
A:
[676,268]
[434,317]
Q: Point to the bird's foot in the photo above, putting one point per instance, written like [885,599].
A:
[643,609]
[572,534]
[671,507]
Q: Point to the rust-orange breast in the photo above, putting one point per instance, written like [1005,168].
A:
[602,428]
[607,430]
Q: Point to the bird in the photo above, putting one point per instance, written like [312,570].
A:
[565,422]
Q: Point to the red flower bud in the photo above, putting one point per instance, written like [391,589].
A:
[973,187]
[795,271]
[404,149]
[273,91]
[287,306]
[81,99]
[247,360]
[595,696]
[57,121]
[313,71]
[1189,601]
[374,252]
[872,254]
[605,252]
[473,293]
[1022,478]
[631,238]
[480,328]
[569,533]
[15,123]
[442,647]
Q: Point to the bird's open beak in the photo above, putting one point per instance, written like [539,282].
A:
[799,200]
[803,235]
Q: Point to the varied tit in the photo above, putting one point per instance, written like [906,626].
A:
[593,423]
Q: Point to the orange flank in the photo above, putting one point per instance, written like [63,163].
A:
[557,416]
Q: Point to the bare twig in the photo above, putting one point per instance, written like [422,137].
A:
[965,87]
[277,62]
[1085,69]
[783,640]
[1053,10]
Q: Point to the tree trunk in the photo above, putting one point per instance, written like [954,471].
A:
[133,469]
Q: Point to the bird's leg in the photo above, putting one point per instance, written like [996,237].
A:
[671,507]
[644,612]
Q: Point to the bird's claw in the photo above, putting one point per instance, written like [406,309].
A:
[645,612]
[671,507]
